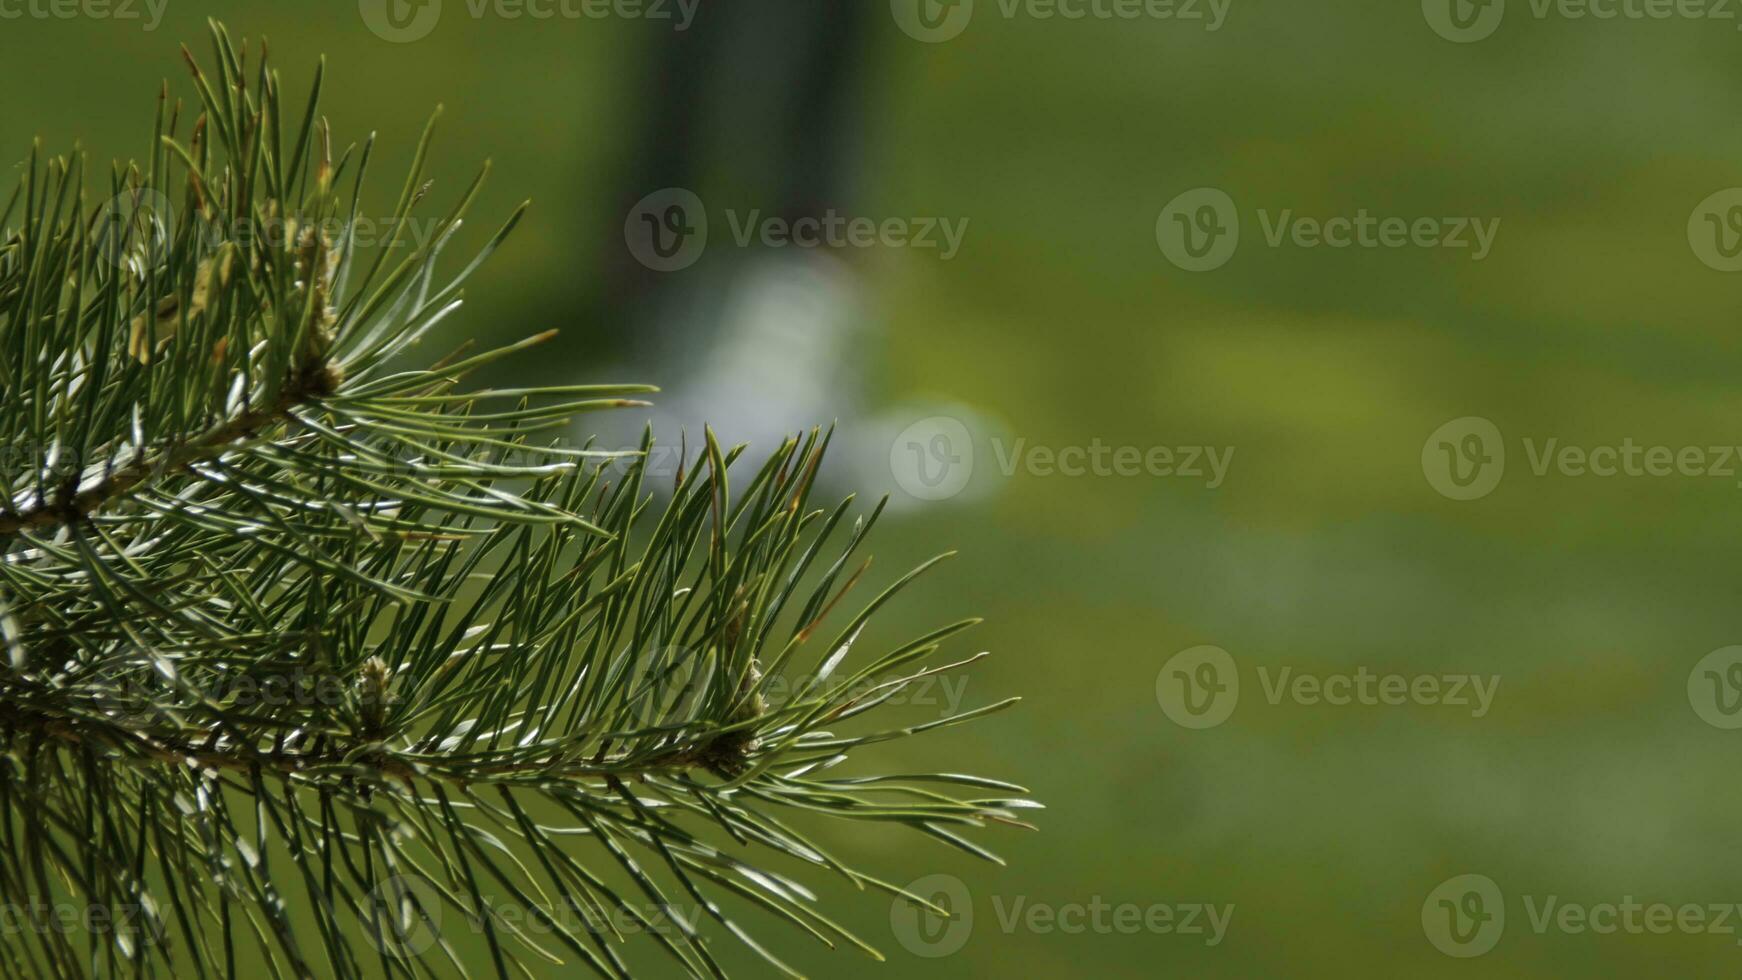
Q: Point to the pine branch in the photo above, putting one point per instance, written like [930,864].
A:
[77,503]
[289,623]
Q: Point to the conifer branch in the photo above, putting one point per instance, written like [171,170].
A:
[306,648]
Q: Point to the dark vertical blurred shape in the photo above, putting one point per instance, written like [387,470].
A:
[758,107]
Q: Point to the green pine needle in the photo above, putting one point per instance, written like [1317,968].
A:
[313,650]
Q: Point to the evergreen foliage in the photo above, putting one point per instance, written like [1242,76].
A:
[311,649]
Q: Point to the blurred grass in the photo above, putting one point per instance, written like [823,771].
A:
[1590,322]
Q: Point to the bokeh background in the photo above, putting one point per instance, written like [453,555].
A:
[1060,321]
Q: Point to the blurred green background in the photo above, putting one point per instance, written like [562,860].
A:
[1062,322]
